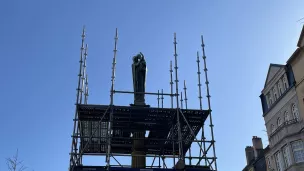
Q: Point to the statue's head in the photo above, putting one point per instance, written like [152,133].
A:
[135,58]
[138,57]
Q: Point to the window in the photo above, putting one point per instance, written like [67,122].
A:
[286,116]
[280,88]
[285,84]
[298,151]
[286,156]
[295,111]
[275,94]
[268,163]
[269,99]
[279,122]
[279,161]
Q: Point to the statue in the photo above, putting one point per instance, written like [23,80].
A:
[139,70]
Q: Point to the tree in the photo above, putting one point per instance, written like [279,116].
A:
[15,164]
[301,20]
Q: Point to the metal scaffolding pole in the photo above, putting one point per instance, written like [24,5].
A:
[83,87]
[158,98]
[209,103]
[129,155]
[159,154]
[83,75]
[180,145]
[186,105]
[162,98]
[162,106]
[201,106]
[75,128]
[199,82]
[182,100]
[110,132]
[171,88]
[132,138]
[171,83]
[86,95]
[131,92]
[185,91]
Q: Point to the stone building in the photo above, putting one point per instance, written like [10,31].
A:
[255,156]
[283,112]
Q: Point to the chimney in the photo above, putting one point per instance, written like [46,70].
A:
[249,154]
[257,146]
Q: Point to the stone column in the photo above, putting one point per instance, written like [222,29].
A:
[138,149]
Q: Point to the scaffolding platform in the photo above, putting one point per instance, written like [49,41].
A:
[102,168]
[168,134]
[159,124]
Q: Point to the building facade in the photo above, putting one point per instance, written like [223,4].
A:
[282,104]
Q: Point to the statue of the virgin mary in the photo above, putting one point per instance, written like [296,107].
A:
[139,70]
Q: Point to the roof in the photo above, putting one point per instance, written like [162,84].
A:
[272,71]
[294,55]
[267,149]
[301,39]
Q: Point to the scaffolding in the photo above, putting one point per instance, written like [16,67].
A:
[107,130]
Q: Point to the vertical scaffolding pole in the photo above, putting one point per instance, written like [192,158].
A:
[185,91]
[209,104]
[180,145]
[162,99]
[158,98]
[111,102]
[182,100]
[186,105]
[83,88]
[171,83]
[86,95]
[158,107]
[84,72]
[171,87]
[201,106]
[75,128]
[199,82]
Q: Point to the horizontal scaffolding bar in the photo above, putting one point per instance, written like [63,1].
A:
[129,166]
[133,138]
[131,92]
[146,155]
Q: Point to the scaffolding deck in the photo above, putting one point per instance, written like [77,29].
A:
[159,122]
[101,168]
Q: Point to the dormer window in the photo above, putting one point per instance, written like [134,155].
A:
[268,163]
[295,111]
[269,99]
[286,116]
[279,122]
[275,94]
[280,88]
[285,84]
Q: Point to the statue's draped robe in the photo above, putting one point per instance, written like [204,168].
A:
[139,80]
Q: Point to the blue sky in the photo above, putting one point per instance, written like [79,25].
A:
[40,42]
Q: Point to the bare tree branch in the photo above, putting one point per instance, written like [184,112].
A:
[14,164]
